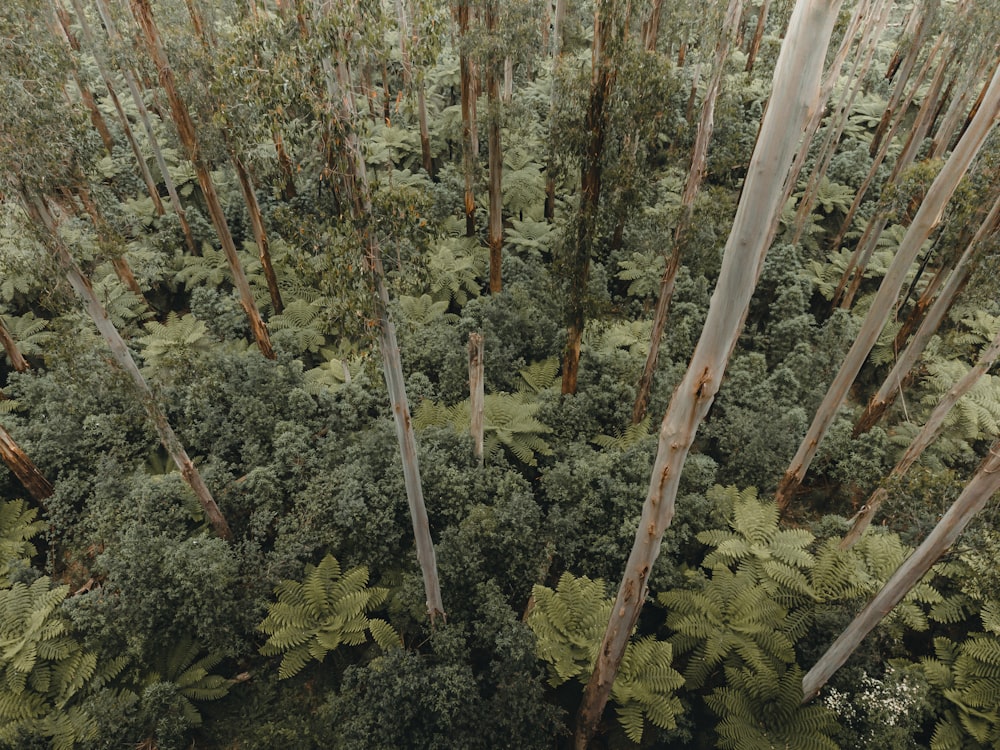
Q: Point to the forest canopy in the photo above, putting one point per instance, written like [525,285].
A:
[499,374]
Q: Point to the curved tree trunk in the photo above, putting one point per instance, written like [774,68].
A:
[795,93]
[17,360]
[24,468]
[927,218]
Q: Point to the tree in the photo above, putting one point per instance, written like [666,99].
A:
[795,96]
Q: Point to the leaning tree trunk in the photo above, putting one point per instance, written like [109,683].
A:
[699,165]
[758,34]
[17,360]
[38,210]
[927,218]
[186,130]
[927,435]
[983,485]
[24,468]
[906,361]
[795,94]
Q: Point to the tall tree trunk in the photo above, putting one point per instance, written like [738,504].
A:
[795,93]
[39,212]
[469,150]
[983,485]
[338,87]
[927,435]
[476,394]
[288,190]
[758,34]
[950,124]
[409,82]
[927,218]
[699,164]
[606,24]
[905,363]
[651,27]
[140,105]
[186,130]
[17,360]
[259,232]
[22,467]
[140,159]
[495,152]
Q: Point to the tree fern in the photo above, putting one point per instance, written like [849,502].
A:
[531,236]
[172,343]
[188,676]
[419,311]
[644,271]
[456,268]
[538,376]
[305,322]
[17,527]
[30,333]
[324,611]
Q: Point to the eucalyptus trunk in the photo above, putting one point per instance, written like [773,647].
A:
[39,211]
[795,94]
[699,165]
[477,394]
[927,218]
[186,130]
[467,94]
[909,357]
[17,360]
[495,153]
[758,35]
[983,485]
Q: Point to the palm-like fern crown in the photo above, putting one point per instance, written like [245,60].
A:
[324,611]
[17,527]
[568,624]
[190,677]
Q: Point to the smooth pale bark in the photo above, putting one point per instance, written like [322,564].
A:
[699,165]
[927,218]
[495,155]
[339,91]
[22,467]
[927,435]
[140,105]
[477,393]
[758,34]
[186,131]
[38,210]
[983,485]
[795,95]
[595,125]
[17,360]
[956,108]
[916,315]
[140,159]
[909,357]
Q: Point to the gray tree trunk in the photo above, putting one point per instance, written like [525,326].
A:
[476,394]
[795,94]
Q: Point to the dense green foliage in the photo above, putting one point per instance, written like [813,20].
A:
[126,622]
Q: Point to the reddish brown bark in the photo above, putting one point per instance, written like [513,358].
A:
[17,360]
[24,468]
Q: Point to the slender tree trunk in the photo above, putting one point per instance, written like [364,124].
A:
[186,130]
[140,159]
[259,232]
[905,363]
[699,164]
[495,152]
[758,34]
[927,218]
[651,27]
[22,467]
[468,117]
[17,360]
[39,212]
[408,81]
[795,94]
[288,190]
[476,394]
[595,126]
[338,86]
[950,124]
[983,485]
[140,105]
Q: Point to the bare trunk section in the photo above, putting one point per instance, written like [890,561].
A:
[38,210]
[425,136]
[140,105]
[950,123]
[147,176]
[259,232]
[795,95]
[469,150]
[758,34]
[495,152]
[983,485]
[699,165]
[477,394]
[186,130]
[22,467]
[651,26]
[17,360]
[927,218]
[906,361]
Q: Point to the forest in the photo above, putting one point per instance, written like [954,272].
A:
[491,374]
